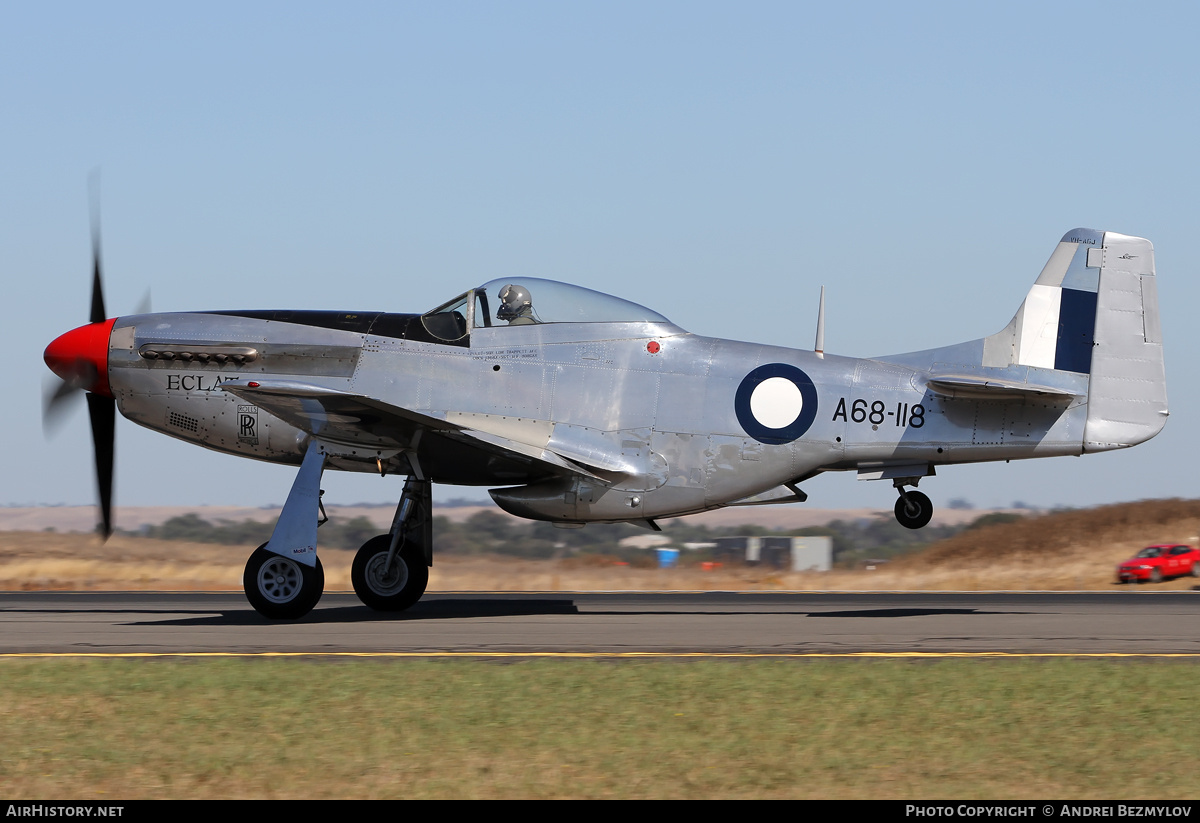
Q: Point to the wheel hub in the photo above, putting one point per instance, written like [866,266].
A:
[280,580]
[389,583]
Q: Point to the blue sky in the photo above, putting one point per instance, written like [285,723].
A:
[717,162]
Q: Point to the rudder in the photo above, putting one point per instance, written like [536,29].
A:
[1127,397]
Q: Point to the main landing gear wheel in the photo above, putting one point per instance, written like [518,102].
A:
[914,510]
[279,587]
[397,589]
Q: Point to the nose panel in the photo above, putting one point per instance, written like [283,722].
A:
[80,357]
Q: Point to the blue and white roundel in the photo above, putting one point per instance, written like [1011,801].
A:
[776,403]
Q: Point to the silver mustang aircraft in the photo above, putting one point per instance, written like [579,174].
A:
[580,407]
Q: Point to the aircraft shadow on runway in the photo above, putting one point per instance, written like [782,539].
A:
[509,607]
[430,610]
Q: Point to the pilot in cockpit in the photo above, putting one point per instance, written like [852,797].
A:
[516,306]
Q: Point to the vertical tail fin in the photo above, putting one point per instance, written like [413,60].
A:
[1094,311]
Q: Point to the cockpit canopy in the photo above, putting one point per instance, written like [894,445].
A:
[530,301]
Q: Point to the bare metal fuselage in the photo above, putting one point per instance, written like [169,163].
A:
[648,407]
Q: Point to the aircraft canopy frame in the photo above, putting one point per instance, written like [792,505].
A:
[550,301]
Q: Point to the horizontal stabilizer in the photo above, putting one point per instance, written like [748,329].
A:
[993,388]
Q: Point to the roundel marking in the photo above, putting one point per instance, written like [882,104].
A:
[776,403]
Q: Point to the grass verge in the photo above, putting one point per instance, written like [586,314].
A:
[1063,729]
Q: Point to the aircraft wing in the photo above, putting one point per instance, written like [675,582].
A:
[358,420]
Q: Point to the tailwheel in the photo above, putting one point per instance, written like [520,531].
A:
[913,510]
[387,588]
[279,587]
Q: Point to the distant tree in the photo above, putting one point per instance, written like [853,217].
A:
[188,526]
[349,534]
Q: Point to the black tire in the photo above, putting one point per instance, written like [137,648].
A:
[1156,576]
[1195,572]
[404,584]
[279,588]
[914,510]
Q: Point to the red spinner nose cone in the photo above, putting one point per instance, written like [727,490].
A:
[80,357]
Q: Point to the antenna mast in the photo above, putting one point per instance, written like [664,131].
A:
[819,346]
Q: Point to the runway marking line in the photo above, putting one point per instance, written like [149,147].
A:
[632,655]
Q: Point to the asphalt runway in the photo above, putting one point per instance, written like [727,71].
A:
[1129,621]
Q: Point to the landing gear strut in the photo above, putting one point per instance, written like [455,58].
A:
[391,571]
[913,510]
[287,580]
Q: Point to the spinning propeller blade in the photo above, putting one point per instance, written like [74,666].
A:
[103,414]
[98,314]
[80,359]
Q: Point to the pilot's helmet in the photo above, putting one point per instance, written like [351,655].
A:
[514,302]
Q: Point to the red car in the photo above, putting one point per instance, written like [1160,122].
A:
[1156,563]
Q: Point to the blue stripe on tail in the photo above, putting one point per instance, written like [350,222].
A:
[1076,331]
